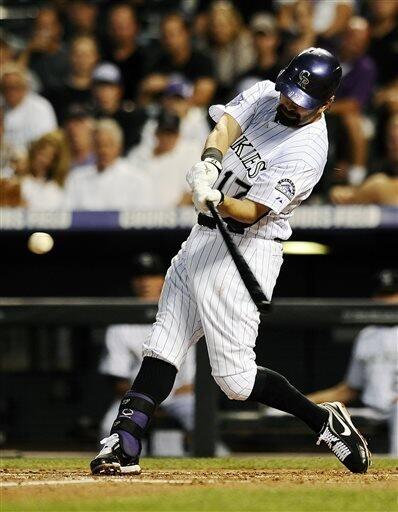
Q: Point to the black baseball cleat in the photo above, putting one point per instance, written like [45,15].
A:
[344,440]
[112,461]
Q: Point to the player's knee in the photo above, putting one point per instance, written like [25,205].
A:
[237,387]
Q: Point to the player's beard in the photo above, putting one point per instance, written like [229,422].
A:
[287,117]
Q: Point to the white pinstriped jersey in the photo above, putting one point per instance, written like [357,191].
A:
[203,292]
[270,163]
[123,354]
[374,366]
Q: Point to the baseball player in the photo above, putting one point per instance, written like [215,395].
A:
[372,373]
[123,351]
[262,159]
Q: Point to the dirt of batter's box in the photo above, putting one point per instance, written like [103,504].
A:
[219,476]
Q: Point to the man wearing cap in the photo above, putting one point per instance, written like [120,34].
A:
[108,100]
[176,99]
[79,131]
[266,40]
[372,373]
[164,163]
[123,350]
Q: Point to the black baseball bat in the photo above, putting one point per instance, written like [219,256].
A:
[248,278]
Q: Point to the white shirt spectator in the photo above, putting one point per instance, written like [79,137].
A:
[29,120]
[324,12]
[166,172]
[374,367]
[114,188]
[194,128]
[41,195]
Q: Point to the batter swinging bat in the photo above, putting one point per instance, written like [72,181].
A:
[251,283]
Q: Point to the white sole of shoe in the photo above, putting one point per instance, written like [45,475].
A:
[130,470]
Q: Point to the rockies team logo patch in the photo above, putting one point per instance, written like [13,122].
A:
[286,187]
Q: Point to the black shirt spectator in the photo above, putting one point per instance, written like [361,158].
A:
[385,53]
[45,54]
[178,59]
[123,50]
[199,65]
[83,57]
[266,40]
[108,101]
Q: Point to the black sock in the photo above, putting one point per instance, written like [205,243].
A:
[155,379]
[272,389]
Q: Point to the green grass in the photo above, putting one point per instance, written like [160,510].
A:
[232,500]
[341,494]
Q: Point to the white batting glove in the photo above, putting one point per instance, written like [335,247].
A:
[203,194]
[203,173]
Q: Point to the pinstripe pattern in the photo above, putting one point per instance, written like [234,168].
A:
[203,293]
[296,154]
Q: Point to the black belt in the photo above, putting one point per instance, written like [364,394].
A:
[209,222]
[232,225]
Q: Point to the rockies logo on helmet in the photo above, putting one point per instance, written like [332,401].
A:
[304,79]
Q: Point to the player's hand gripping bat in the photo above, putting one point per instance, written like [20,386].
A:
[248,278]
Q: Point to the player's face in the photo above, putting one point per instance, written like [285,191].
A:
[291,114]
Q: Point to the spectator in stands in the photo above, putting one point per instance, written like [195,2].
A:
[266,40]
[81,18]
[178,59]
[376,189]
[324,22]
[384,40]
[123,351]
[108,102]
[8,54]
[79,132]
[165,164]
[27,115]
[231,46]
[45,53]
[83,57]
[380,188]
[176,99]
[384,50]
[42,186]
[389,164]
[10,188]
[354,94]
[109,184]
[372,370]
[6,152]
[124,51]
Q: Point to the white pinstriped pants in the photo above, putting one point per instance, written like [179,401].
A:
[204,294]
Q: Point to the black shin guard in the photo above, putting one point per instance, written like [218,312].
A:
[155,379]
[152,385]
[272,389]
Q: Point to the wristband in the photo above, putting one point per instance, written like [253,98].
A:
[222,198]
[212,153]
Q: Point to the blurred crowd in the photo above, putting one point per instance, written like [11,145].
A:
[104,104]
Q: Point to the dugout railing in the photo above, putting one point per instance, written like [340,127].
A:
[296,313]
